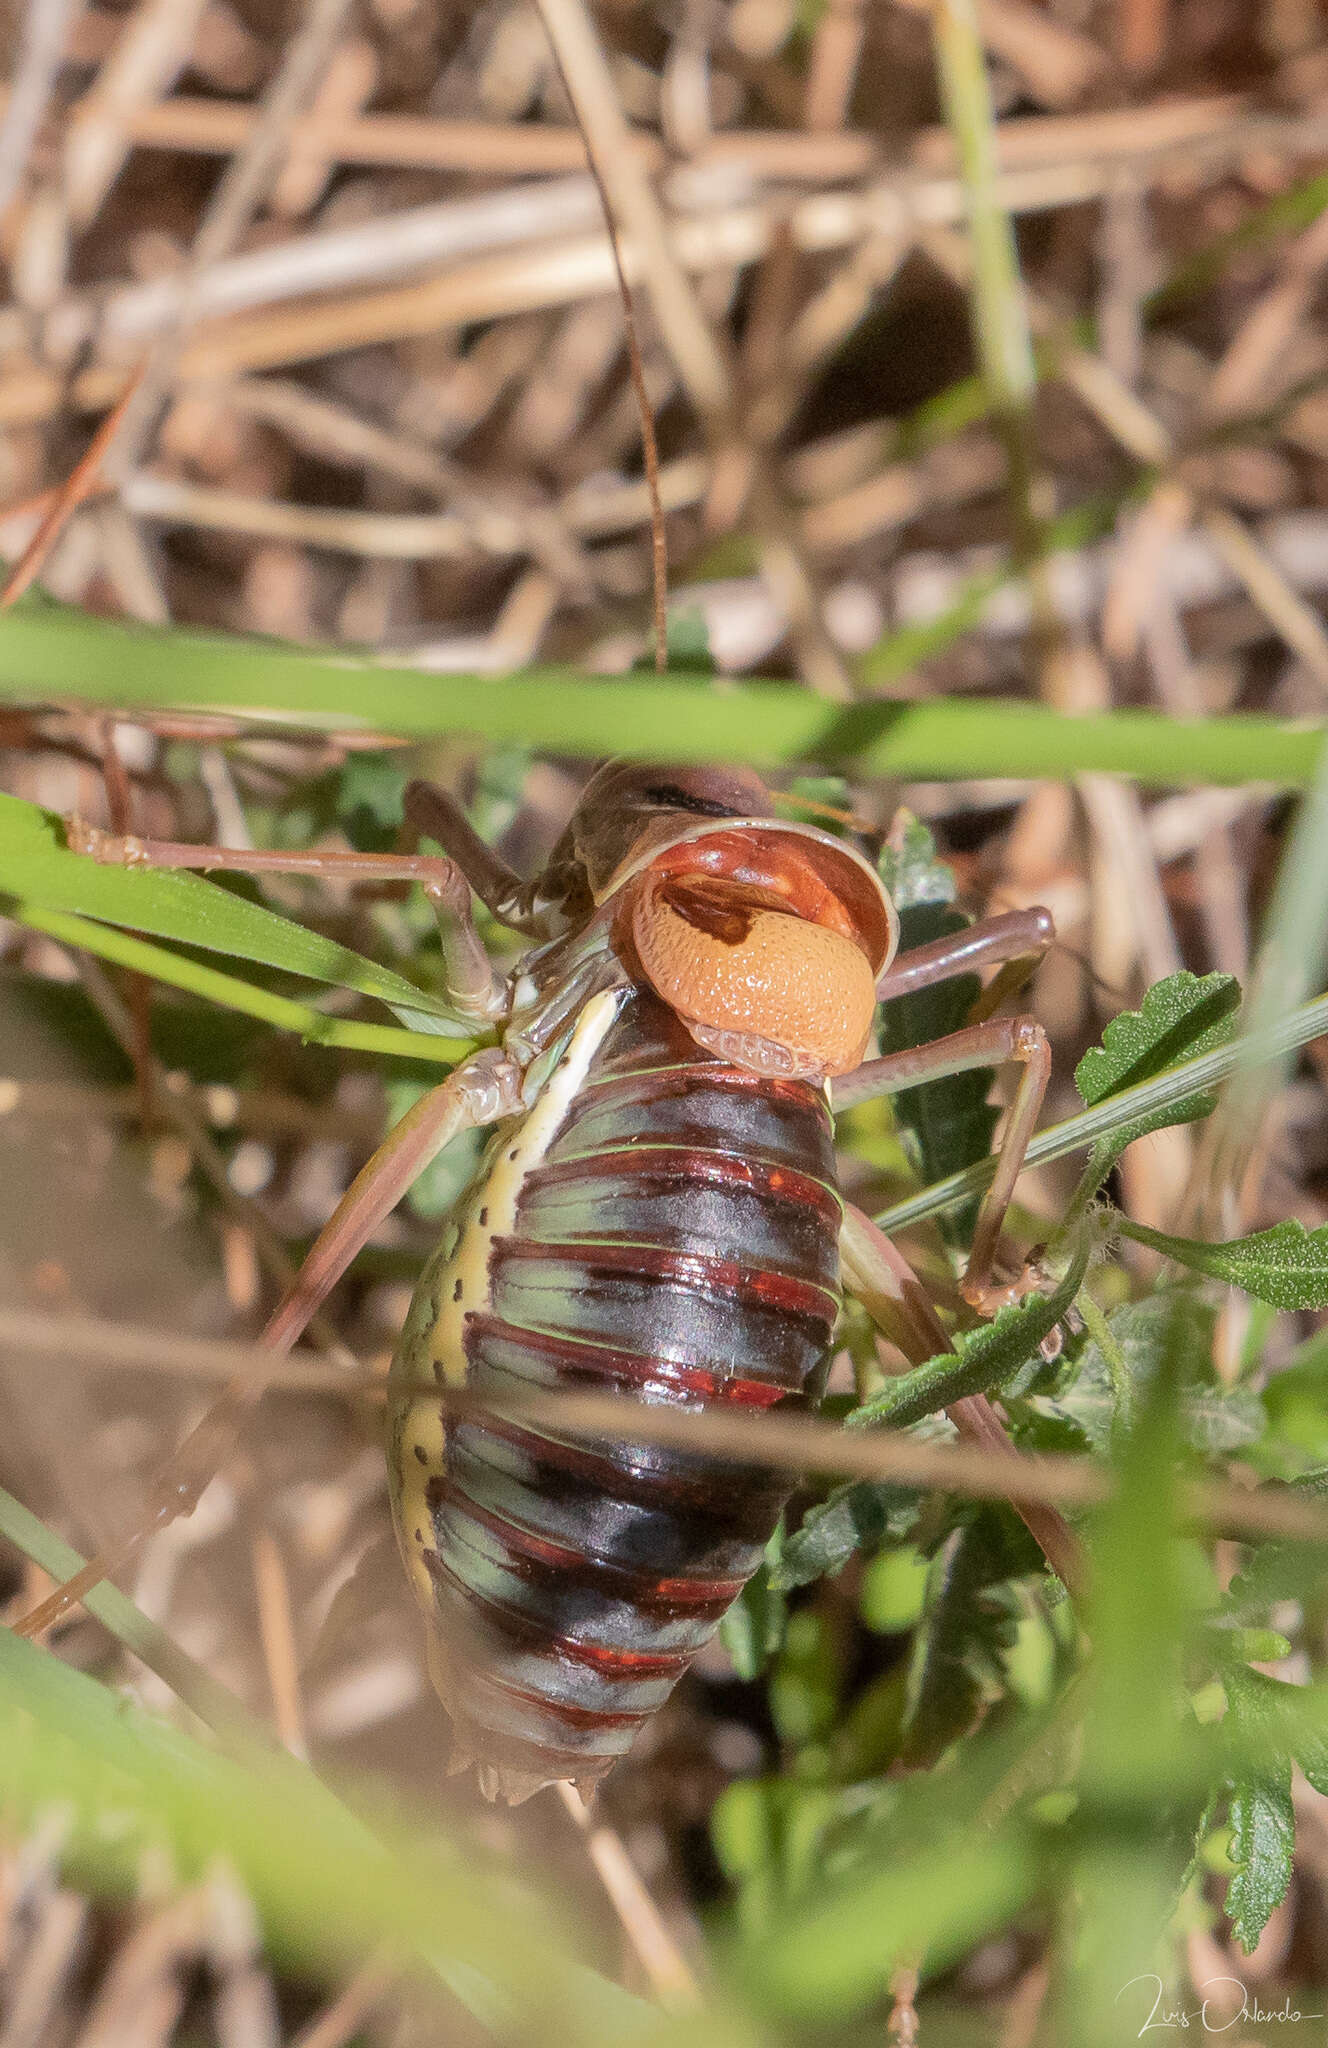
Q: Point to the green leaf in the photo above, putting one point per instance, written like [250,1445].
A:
[1096,1405]
[1263,1840]
[806,1681]
[893,1591]
[813,795]
[1280,1571]
[968,1623]
[1286,1266]
[1203,1071]
[37,868]
[1181,1017]
[686,644]
[947,1123]
[984,1359]
[910,868]
[1263,1824]
[59,654]
[181,970]
[767,1835]
[1296,1399]
[862,1514]
[371,790]
[753,1629]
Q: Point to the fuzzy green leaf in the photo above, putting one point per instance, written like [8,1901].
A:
[1181,1017]
[1095,1404]
[968,1623]
[1263,1825]
[983,1359]
[860,1515]
[1263,1840]
[1286,1266]
[37,868]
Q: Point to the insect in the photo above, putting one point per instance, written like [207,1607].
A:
[656,1217]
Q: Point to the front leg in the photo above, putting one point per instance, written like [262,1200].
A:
[475,991]
[482,1090]
[1014,942]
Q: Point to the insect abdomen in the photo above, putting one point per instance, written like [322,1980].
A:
[675,1241]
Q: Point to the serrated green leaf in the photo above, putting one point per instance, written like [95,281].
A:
[1279,1571]
[37,868]
[1263,1840]
[753,1629]
[910,868]
[859,1515]
[1263,1828]
[1211,1418]
[1181,1017]
[983,1360]
[968,1623]
[1275,1720]
[1286,1266]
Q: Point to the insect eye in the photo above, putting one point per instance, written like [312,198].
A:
[668,796]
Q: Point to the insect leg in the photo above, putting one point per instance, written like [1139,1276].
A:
[988,1044]
[474,989]
[483,1089]
[437,816]
[883,1281]
[1014,941]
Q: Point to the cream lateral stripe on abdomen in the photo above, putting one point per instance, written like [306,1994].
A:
[420,1426]
[466,1285]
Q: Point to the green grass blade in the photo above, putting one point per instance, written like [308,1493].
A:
[233,994]
[326,1888]
[53,655]
[37,868]
[129,1625]
[1076,1133]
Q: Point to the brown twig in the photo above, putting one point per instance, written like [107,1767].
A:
[787,1443]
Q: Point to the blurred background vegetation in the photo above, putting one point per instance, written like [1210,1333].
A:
[988,350]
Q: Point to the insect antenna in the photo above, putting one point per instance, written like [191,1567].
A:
[649,443]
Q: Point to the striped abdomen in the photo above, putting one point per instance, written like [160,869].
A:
[663,1227]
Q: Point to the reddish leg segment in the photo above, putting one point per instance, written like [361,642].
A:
[881,1278]
[474,990]
[978,1045]
[1016,939]
[433,814]
[1013,943]
[481,1091]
